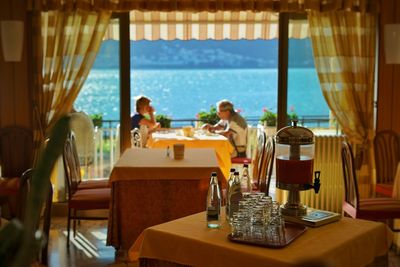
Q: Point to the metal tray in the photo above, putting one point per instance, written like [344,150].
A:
[292,231]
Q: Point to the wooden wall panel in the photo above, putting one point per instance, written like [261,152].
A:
[15,97]
[388,106]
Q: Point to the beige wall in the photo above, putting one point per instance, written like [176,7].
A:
[15,96]
[15,92]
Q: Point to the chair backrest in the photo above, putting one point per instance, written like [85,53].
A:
[16,151]
[136,138]
[351,196]
[267,165]
[387,155]
[259,154]
[71,166]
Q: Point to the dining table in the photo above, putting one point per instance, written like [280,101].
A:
[149,187]
[188,242]
[200,139]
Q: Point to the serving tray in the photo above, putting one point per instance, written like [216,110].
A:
[292,231]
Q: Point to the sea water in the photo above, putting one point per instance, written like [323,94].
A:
[183,93]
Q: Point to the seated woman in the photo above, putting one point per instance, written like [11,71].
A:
[232,125]
[145,124]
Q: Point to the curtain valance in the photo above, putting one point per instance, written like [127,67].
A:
[208,5]
[206,25]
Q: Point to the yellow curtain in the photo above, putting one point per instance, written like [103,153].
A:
[344,55]
[66,44]
[207,5]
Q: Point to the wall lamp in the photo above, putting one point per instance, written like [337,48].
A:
[392,43]
[12,39]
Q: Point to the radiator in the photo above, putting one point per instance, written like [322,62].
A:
[328,161]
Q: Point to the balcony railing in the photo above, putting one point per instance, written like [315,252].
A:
[107,138]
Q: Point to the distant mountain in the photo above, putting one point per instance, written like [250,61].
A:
[205,54]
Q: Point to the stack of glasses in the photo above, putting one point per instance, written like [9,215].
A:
[258,219]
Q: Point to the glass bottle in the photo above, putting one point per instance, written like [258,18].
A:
[246,180]
[235,194]
[230,182]
[213,203]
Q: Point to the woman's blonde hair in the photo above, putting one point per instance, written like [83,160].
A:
[142,101]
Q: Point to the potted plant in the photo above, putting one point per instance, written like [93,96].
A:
[268,118]
[97,119]
[210,117]
[164,120]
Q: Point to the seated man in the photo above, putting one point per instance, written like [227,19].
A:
[138,120]
[232,125]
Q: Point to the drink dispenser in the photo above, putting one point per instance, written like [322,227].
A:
[295,166]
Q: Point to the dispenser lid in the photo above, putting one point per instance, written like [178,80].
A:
[294,135]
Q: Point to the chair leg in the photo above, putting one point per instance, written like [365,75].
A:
[68,226]
[46,225]
[74,225]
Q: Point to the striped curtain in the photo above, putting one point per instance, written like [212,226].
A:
[206,25]
[66,44]
[344,54]
[207,5]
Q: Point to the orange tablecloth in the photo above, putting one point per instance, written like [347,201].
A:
[221,144]
[148,188]
[348,242]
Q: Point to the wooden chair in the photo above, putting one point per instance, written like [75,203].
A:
[267,166]
[81,199]
[136,139]
[76,172]
[258,157]
[377,209]
[16,156]
[387,157]
[241,160]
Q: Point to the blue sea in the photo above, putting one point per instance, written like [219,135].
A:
[182,93]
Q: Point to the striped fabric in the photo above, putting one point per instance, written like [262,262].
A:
[66,44]
[344,55]
[206,25]
[207,5]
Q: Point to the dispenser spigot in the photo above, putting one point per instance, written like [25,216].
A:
[317,182]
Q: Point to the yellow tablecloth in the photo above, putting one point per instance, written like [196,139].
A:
[221,144]
[348,242]
[148,188]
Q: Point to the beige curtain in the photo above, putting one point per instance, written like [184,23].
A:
[207,5]
[344,55]
[221,25]
[66,44]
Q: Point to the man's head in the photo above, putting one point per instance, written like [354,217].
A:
[142,104]
[225,109]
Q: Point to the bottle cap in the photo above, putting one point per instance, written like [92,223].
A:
[245,165]
[213,174]
[236,173]
[232,170]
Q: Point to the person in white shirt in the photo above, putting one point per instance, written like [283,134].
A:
[231,125]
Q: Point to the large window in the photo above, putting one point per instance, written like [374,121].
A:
[186,77]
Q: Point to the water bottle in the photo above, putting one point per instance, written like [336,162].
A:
[245,182]
[235,195]
[230,182]
[213,203]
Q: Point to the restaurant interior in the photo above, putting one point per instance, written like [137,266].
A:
[155,208]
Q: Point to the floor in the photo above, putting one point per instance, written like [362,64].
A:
[88,248]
